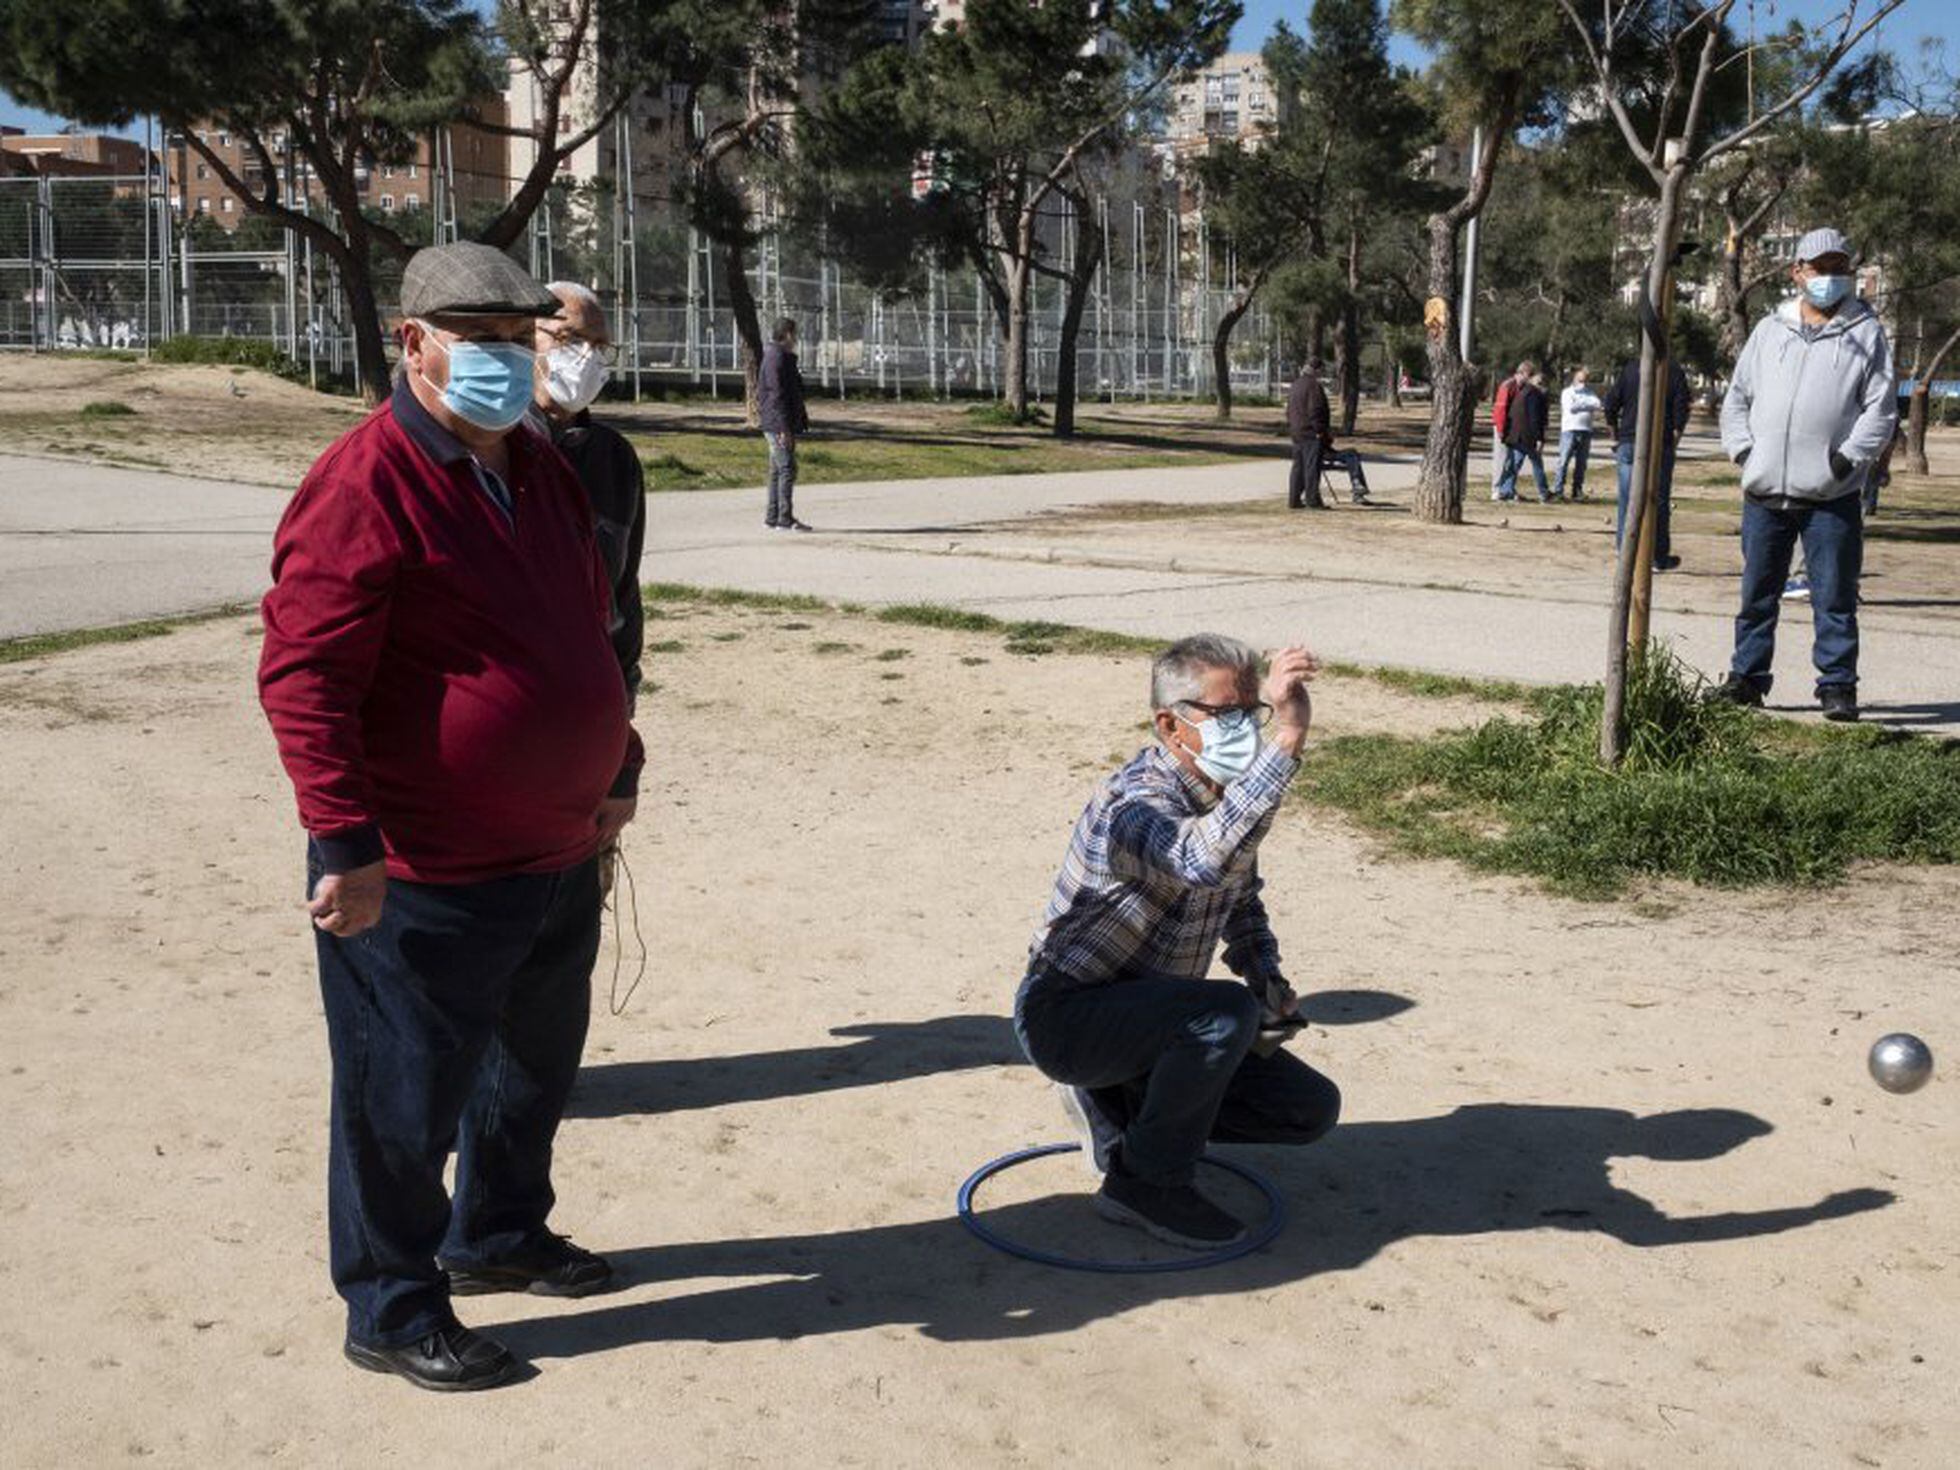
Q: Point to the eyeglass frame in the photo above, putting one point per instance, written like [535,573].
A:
[1260,712]
[607,351]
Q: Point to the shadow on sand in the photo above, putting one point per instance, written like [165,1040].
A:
[1479,1170]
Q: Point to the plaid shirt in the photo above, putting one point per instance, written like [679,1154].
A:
[1158,871]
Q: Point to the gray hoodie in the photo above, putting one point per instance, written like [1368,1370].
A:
[1810,407]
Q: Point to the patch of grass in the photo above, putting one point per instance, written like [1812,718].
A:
[659,592]
[1029,647]
[230,352]
[999,415]
[44,645]
[891,676]
[831,645]
[1442,686]
[107,408]
[667,645]
[893,655]
[728,637]
[1707,793]
[935,615]
[974,660]
[795,627]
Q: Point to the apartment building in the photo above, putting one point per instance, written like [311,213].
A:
[1231,100]
[68,155]
[479,167]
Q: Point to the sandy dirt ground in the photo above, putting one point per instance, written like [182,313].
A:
[1612,1188]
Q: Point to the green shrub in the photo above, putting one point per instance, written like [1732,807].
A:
[1707,792]
[230,352]
[106,408]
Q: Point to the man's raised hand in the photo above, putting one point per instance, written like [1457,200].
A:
[1287,677]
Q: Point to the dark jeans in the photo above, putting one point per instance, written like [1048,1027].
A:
[455,1023]
[1170,1062]
[1833,537]
[782,479]
[1303,487]
[1663,499]
[1514,459]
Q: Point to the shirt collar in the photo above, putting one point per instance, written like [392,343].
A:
[420,425]
[1201,794]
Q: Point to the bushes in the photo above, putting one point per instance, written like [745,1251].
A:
[229,352]
[1710,793]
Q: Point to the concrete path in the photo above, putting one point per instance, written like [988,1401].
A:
[81,546]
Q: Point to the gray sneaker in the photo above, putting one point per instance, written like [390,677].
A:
[1176,1213]
[1082,1114]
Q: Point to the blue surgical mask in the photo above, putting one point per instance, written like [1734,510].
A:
[490,383]
[1231,741]
[1827,291]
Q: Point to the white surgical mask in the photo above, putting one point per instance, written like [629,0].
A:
[1230,744]
[574,374]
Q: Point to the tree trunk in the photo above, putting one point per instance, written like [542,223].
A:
[1654,352]
[1221,346]
[1922,392]
[1391,371]
[1446,450]
[748,327]
[1015,379]
[364,313]
[1088,260]
[1735,297]
[1452,405]
[1350,368]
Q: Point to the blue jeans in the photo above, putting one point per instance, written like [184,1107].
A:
[782,479]
[1833,537]
[1168,1062]
[1663,499]
[1574,448]
[455,1023]
[1514,458]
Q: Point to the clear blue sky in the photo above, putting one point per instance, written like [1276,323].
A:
[1914,21]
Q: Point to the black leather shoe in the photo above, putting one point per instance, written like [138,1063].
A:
[453,1360]
[552,1266]
[1840,703]
[1737,690]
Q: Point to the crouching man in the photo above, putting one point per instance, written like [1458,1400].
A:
[1154,1060]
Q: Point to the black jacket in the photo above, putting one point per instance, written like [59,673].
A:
[1524,423]
[1307,415]
[1621,405]
[779,392]
[609,469]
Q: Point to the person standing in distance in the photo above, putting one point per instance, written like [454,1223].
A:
[1524,434]
[1309,423]
[1810,409]
[785,418]
[1576,407]
[1621,405]
[440,681]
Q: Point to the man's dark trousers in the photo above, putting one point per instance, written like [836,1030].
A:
[1170,1062]
[1663,498]
[1303,489]
[456,1022]
[1833,537]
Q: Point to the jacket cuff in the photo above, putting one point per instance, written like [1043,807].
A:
[351,848]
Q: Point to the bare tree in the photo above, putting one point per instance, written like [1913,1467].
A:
[1694,44]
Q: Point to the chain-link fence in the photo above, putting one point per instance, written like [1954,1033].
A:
[104,263]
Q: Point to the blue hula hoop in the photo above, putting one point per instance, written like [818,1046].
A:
[1259,1239]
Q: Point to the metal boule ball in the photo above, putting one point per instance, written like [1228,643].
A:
[1900,1062]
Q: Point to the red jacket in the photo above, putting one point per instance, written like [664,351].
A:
[1500,414]
[437,671]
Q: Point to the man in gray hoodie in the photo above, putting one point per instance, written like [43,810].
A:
[1810,407]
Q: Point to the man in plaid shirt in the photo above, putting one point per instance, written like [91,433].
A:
[1153,1058]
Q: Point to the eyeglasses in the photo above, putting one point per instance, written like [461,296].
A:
[1231,716]
[606,352]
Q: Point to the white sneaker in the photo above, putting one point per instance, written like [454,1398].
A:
[1797,589]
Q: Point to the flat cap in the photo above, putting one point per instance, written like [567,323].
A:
[1822,242]
[468,279]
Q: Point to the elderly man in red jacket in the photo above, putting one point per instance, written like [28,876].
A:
[439,677]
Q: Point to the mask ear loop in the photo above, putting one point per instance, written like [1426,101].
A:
[616,1002]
